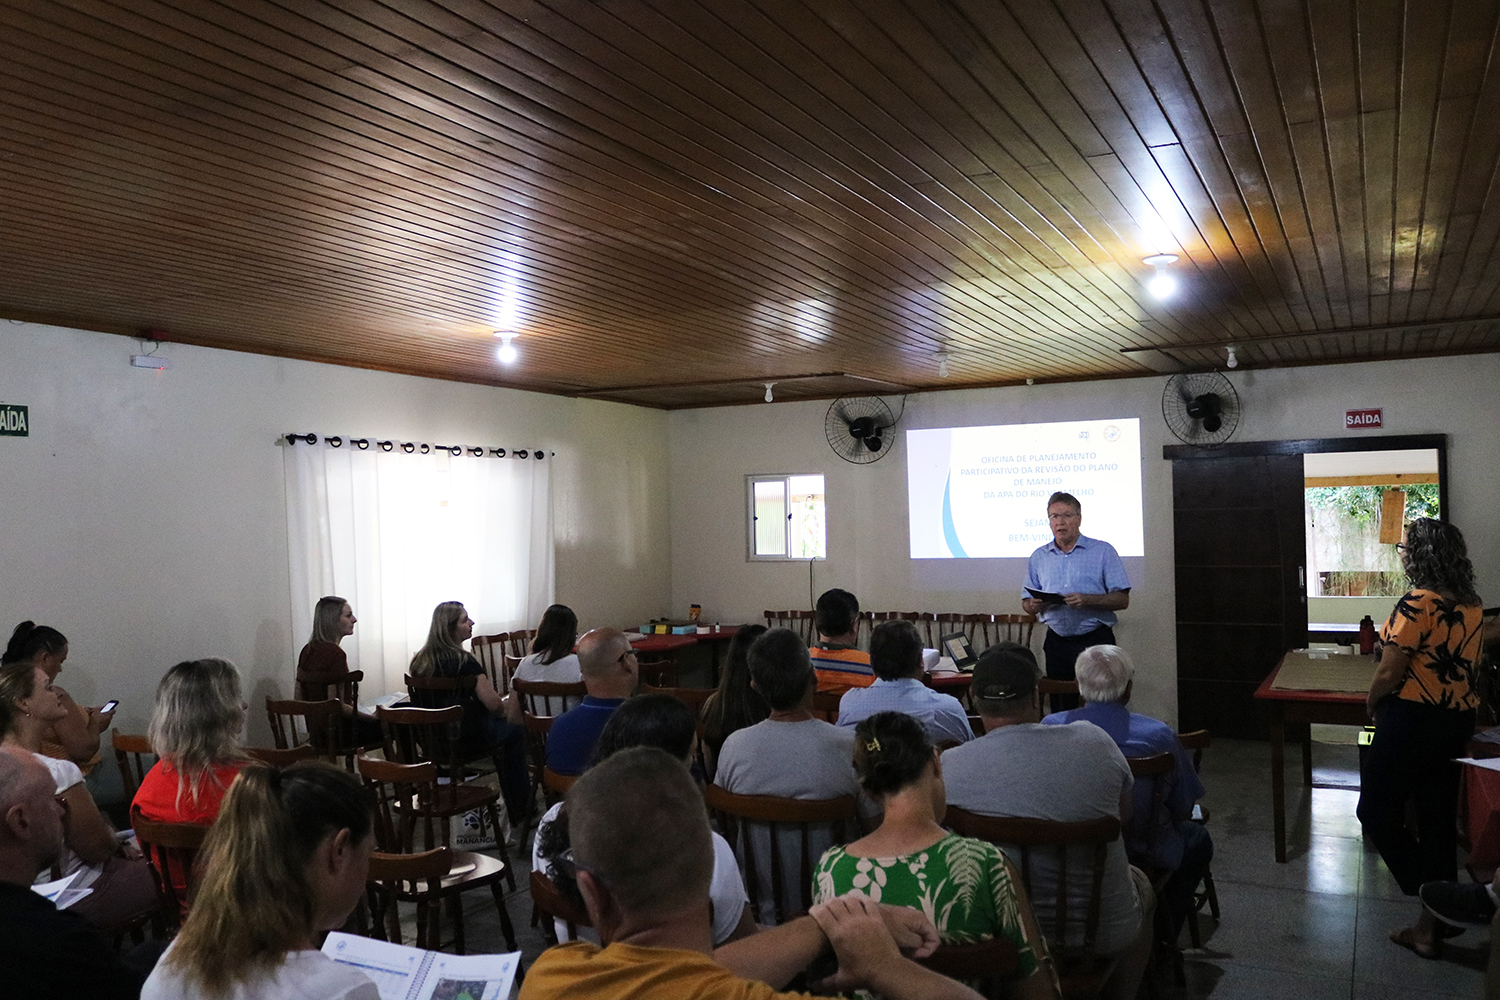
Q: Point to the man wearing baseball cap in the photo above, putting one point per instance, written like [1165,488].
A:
[1065,774]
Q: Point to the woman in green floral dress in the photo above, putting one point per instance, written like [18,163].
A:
[966,887]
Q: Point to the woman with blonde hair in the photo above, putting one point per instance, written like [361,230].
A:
[484,725]
[92,854]
[286,860]
[195,730]
[323,659]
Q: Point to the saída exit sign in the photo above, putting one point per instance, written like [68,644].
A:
[1362,420]
[15,421]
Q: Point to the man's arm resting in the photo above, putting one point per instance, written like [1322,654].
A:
[868,956]
[1115,600]
[776,954]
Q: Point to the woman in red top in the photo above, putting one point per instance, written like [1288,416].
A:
[195,730]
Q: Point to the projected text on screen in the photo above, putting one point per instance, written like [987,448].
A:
[981,492]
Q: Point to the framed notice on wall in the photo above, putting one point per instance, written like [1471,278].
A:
[15,421]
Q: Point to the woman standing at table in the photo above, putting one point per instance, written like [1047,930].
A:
[1422,700]
[484,725]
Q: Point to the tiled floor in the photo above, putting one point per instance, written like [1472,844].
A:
[1314,927]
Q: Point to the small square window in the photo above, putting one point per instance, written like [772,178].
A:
[787,517]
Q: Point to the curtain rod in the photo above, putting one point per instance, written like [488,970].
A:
[423,448]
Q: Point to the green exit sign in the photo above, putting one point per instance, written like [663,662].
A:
[15,421]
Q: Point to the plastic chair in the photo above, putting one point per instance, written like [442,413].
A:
[411,801]
[763,828]
[1071,936]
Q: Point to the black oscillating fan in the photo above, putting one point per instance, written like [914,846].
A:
[856,428]
[1201,408]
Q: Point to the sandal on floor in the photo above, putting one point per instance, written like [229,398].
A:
[1406,937]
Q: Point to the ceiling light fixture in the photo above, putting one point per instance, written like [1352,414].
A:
[942,360]
[768,391]
[1233,361]
[507,351]
[1162,284]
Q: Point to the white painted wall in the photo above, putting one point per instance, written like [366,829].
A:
[713,450]
[146,519]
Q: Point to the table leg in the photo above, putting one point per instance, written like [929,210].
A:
[1278,780]
[1307,781]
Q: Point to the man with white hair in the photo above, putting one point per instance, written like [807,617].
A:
[1164,839]
[45,952]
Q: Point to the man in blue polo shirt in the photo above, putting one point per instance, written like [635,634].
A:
[610,674]
[1089,577]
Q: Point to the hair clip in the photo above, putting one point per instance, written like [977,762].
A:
[873,746]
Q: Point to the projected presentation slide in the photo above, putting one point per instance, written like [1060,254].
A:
[981,492]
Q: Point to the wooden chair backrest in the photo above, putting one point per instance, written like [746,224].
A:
[520,642]
[800,622]
[130,756]
[321,724]
[321,687]
[490,651]
[1197,741]
[440,692]
[691,697]
[1048,686]
[547,697]
[988,963]
[398,790]
[555,906]
[1026,837]
[1153,769]
[283,758]
[826,705]
[922,620]
[422,735]
[735,814]
[1014,628]
[537,728]
[170,848]
[395,875]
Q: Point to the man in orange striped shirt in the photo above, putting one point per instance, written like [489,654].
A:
[836,657]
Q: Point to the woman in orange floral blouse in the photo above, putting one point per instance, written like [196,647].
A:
[1422,700]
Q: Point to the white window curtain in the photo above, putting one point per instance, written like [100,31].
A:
[397,534]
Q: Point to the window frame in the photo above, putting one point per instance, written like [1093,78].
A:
[784,478]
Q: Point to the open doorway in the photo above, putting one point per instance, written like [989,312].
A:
[1355,505]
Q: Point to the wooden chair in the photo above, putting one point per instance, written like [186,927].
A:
[990,964]
[826,705]
[390,876]
[1197,741]
[321,726]
[922,620]
[548,697]
[444,692]
[1071,935]
[764,828]
[657,669]
[1155,768]
[537,728]
[520,642]
[431,735]
[976,628]
[412,802]
[283,758]
[1014,628]
[131,753]
[321,687]
[171,849]
[800,622]
[490,651]
[1048,687]
[556,908]
[693,698]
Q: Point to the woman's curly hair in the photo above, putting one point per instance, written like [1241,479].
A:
[1437,559]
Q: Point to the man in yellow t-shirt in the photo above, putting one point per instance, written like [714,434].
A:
[644,859]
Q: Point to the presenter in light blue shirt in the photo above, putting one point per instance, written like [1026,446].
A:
[1091,580]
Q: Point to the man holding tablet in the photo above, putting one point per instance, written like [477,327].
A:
[1074,584]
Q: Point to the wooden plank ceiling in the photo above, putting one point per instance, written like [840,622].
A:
[672,202]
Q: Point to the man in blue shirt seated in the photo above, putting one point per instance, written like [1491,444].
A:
[610,675]
[896,656]
[1164,839]
[1087,575]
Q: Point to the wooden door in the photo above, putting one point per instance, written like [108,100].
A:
[1241,584]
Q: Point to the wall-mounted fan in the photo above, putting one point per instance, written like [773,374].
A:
[857,427]
[1201,408]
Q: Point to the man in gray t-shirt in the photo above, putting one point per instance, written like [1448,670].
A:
[791,755]
[1065,774]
